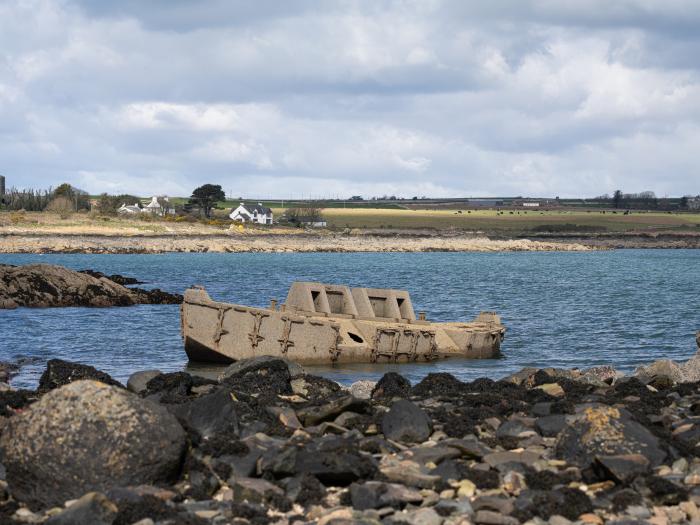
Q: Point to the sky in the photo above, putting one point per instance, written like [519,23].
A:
[318,99]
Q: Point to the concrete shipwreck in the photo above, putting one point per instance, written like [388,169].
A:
[323,324]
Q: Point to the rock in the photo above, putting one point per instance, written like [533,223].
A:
[662,368]
[526,457]
[460,506]
[333,460]
[623,468]
[375,494]
[408,472]
[425,516]
[553,389]
[255,490]
[46,285]
[406,422]
[489,517]
[7,370]
[266,376]
[362,389]
[255,363]
[600,430]
[59,373]
[550,426]
[88,436]
[137,382]
[391,385]
[514,429]
[567,502]
[315,414]
[286,416]
[524,377]
[92,509]
[209,415]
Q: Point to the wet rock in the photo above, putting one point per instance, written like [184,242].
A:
[265,376]
[599,430]
[438,384]
[7,370]
[254,363]
[119,279]
[406,422]
[375,494]
[209,415]
[138,381]
[45,285]
[362,389]
[12,401]
[92,509]
[391,385]
[59,373]
[173,387]
[88,436]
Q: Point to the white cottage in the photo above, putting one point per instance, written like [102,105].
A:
[257,214]
[129,209]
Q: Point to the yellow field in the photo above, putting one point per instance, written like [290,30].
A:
[491,220]
[488,221]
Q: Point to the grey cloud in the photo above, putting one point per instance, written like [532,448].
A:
[351,96]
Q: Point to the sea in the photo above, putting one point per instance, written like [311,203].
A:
[563,309]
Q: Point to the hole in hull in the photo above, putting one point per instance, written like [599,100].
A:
[356,337]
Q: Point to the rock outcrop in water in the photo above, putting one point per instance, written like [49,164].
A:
[268,443]
[45,285]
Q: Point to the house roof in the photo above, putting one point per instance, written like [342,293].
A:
[259,208]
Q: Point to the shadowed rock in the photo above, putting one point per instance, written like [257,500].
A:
[406,422]
[46,285]
[59,373]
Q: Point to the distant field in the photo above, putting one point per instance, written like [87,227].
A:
[490,220]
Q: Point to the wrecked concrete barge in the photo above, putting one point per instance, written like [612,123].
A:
[322,323]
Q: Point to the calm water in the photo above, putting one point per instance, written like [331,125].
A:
[561,309]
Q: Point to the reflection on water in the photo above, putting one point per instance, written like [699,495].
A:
[561,309]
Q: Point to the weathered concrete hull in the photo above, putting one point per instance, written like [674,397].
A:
[222,332]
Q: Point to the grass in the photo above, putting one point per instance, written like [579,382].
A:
[491,220]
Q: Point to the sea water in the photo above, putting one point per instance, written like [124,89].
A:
[563,309]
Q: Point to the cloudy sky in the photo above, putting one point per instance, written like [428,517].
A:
[293,98]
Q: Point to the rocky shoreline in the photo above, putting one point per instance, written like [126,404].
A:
[269,443]
[270,243]
[47,285]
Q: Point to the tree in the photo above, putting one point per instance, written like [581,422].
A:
[206,196]
[683,204]
[617,198]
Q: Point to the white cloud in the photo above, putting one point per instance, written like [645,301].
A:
[371,97]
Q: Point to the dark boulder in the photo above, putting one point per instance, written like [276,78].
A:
[621,468]
[88,436]
[391,385]
[406,422]
[268,377]
[13,400]
[59,373]
[254,363]
[439,384]
[550,426]
[92,509]
[209,415]
[600,430]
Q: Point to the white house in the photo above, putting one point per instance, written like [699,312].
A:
[257,214]
[129,209]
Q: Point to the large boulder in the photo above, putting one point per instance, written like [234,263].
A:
[88,436]
[598,431]
[255,363]
[268,376]
[59,373]
[47,285]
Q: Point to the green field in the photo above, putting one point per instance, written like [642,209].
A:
[507,221]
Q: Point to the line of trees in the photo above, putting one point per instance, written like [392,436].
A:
[65,198]
[645,200]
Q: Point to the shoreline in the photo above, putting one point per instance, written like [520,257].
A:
[270,243]
[267,442]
